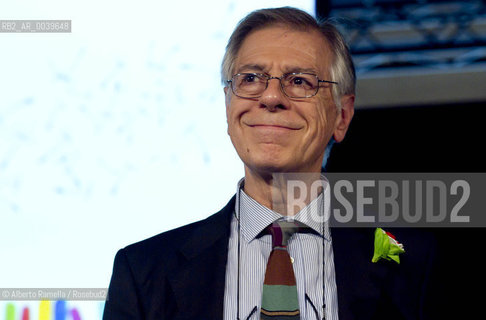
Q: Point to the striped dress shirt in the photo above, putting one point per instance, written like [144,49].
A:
[311,254]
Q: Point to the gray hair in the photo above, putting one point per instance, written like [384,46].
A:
[342,67]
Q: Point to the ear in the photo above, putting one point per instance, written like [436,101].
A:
[227,95]
[343,119]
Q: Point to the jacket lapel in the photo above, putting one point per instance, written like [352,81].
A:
[198,285]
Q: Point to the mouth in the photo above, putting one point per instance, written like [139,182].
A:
[274,126]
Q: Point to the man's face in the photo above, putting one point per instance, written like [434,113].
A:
[275,133]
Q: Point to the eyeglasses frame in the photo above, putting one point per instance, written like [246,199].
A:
[268,77]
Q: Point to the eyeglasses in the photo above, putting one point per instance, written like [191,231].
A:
[294,85]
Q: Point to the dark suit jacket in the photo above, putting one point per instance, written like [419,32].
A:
[180,274]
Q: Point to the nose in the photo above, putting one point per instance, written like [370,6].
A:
[273,97]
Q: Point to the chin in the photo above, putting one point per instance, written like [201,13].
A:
[270,166]
[274,160]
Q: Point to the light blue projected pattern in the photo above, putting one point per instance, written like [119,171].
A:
[107,130]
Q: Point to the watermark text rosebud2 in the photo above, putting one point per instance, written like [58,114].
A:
[391,199]
[412,201]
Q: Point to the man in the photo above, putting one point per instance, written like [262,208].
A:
[289,88]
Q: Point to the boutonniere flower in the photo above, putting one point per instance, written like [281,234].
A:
[386,246]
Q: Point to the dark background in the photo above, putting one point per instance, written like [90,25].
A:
[428,139]
[445,138]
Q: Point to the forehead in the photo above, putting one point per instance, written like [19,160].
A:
[285,49]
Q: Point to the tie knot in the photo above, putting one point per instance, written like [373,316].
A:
[281,231]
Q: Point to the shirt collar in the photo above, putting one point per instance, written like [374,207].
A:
[254,217]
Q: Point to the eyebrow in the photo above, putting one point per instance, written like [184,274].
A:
[251,67]
[260,68]
[299,70]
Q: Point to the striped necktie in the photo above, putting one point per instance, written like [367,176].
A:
[279,295]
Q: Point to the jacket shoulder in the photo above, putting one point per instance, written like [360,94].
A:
[167,245]
[146,273]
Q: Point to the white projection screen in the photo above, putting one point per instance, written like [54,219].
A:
[109,134]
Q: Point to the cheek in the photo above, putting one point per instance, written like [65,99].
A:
[230,113]
[234,112]
[325,116]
